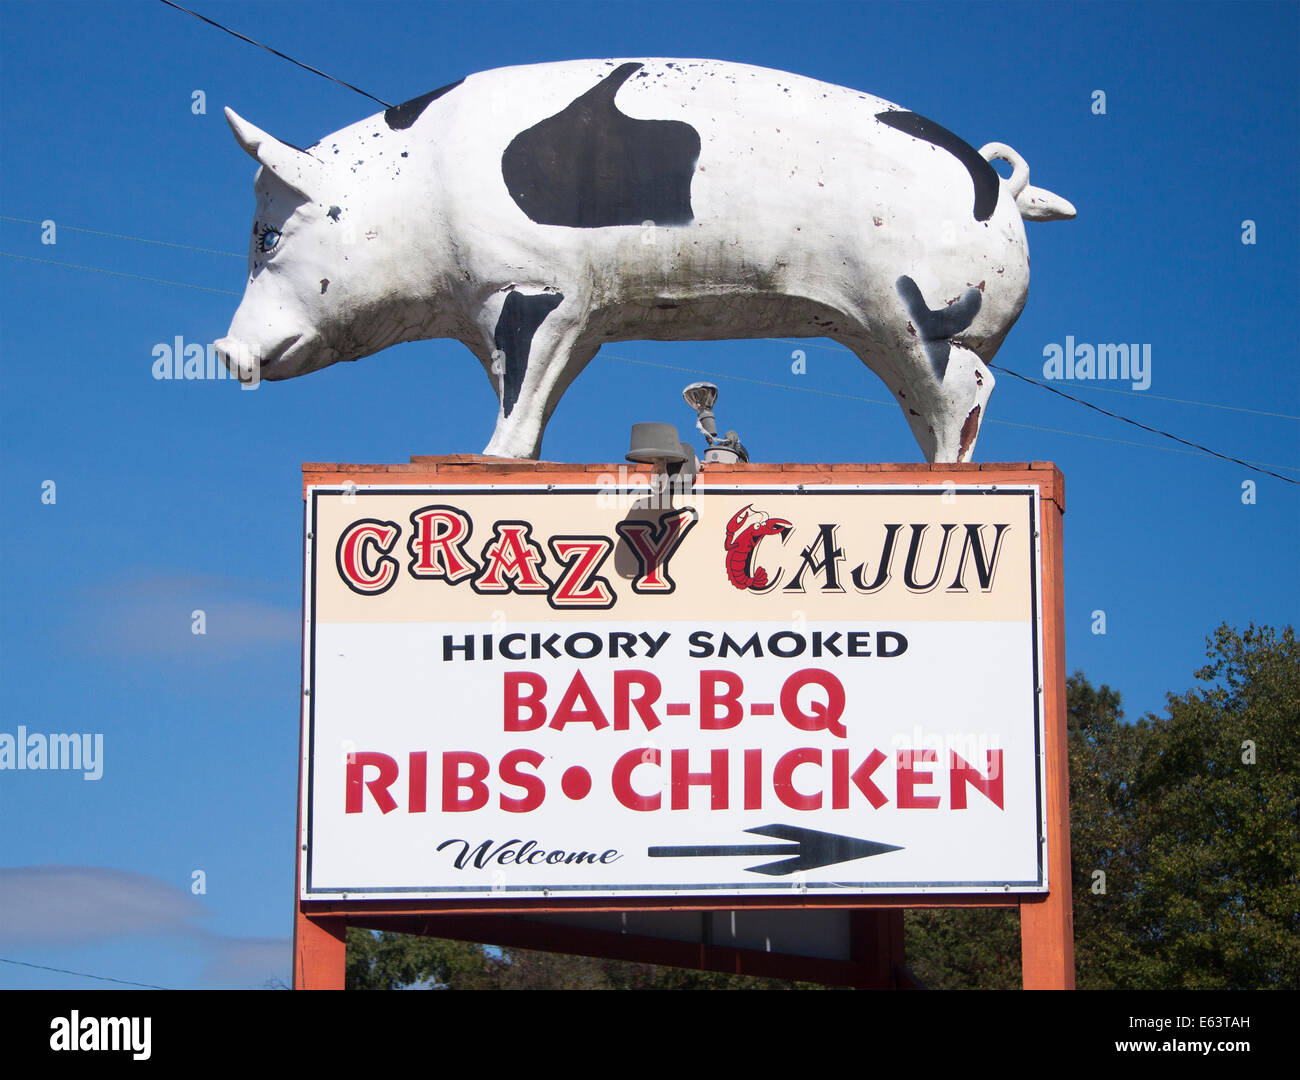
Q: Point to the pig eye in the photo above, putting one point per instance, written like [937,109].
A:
[267,241]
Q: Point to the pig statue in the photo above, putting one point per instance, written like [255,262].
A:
[535,212]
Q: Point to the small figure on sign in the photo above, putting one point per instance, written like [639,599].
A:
[744,531]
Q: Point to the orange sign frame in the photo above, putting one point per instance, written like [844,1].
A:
[877,959]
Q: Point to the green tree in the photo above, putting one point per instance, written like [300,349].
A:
[964,948]
[387,961]
[1104,753]
[1211,896]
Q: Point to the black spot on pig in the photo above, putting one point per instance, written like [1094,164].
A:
[401,117]
[983,176]
[590,165]
[520,317]
[939,326]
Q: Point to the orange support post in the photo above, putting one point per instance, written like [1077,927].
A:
[1047,925]
[319,952]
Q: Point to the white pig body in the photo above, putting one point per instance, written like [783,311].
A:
[536,212]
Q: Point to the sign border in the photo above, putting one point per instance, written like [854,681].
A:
[632,892]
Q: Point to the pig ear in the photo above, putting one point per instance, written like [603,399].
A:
[297,168]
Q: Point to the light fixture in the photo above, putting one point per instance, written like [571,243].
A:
[702,396]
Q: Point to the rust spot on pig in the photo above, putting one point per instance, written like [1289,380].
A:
[968,432]
[910,328]
[324,284]
[877,221]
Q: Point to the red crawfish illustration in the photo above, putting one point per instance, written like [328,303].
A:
[744,531]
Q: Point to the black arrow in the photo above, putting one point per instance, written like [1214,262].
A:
[811,849]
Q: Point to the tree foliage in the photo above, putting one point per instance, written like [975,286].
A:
[387,961]
[1185,845]
[1202,833]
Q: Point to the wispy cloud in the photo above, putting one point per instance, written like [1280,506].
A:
[87,905]
[197,618]
[62,905]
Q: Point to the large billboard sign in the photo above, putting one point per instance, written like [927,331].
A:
[564,691]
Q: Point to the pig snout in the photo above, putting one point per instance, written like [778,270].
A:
[249,361]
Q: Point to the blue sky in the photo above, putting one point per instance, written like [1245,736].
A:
[176,496]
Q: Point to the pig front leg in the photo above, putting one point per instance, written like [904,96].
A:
[536,351]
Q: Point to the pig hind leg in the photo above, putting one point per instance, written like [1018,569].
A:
[942,385]
[950,384]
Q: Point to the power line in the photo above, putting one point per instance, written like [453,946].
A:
[801,342]
[753,382]
[120,273]
[83,975]
[1195,447]
[277,52]
[1138,424]
[806,344]
[1105,412]
[1184,401]
[120,236]
[1116,416]
[1259,466]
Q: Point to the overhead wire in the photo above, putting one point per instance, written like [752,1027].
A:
[277,52]
[83,974]
[1139,424]
[1194,447]
[804,343]
[123,236]
[119,273]
[1258,466]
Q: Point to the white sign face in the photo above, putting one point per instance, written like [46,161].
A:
[532,692]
